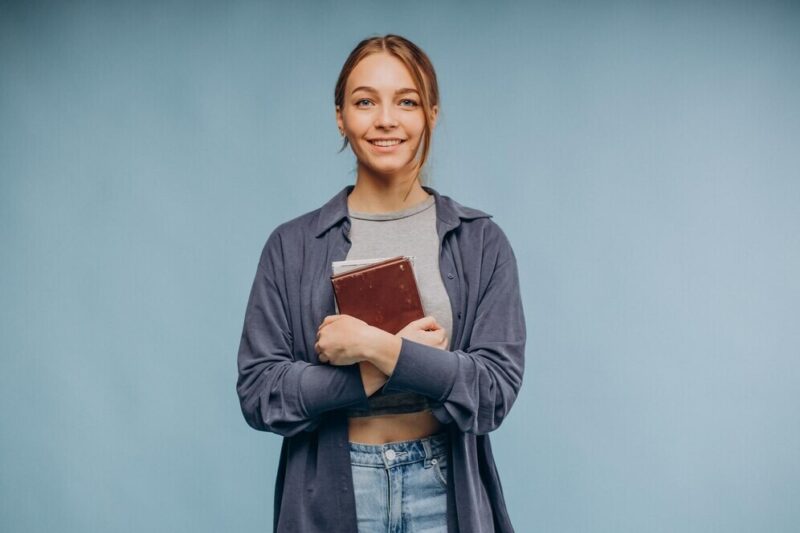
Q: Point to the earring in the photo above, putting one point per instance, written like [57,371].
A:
[341,132]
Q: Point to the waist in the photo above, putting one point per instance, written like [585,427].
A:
[400,452]
[392,427]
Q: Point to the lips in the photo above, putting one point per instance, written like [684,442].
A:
[386,142]
[385,145]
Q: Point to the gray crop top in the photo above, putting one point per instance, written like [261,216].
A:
[412,232]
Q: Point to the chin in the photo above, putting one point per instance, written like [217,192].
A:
[386,167]
[391,171]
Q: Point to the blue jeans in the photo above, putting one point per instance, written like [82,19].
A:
[401,486]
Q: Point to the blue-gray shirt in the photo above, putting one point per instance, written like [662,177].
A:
[284,389]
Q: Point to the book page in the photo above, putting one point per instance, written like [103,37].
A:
[340,267]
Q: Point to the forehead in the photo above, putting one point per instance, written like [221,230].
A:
[381,71]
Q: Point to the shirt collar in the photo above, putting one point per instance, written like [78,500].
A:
[449,212]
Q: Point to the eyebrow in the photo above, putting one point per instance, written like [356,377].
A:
[404,90]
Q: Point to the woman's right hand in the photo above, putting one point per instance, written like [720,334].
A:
[425,331]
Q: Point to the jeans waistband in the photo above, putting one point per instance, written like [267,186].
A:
[400,452]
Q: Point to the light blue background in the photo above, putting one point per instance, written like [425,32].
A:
[642,158]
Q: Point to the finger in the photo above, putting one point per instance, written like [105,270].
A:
[328,319]
[426,322]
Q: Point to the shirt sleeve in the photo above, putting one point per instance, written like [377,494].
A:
[279,392]
[475,388]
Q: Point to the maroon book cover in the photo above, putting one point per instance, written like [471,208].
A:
[383,294]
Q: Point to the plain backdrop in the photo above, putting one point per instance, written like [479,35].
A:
[642,157]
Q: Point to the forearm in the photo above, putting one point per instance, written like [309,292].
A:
[382,351]
[286,397]
[372,377]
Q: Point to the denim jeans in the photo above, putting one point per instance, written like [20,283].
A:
[401,487]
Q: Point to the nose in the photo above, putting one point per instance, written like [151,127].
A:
[385,118]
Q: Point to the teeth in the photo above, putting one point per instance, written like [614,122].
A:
[386,143]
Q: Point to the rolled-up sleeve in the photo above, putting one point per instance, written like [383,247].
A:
[279,392]
[474,388]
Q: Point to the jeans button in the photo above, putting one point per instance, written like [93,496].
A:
[434,461]
[390,454]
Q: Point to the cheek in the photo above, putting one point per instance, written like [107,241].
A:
[416,142]
[417,125]
[358,123]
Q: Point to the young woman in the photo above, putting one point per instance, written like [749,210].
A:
[382,431]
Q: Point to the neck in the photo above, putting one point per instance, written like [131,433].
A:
[373,194]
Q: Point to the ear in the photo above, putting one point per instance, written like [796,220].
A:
[339,120]
[434,115]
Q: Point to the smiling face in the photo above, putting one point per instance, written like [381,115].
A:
[382,116]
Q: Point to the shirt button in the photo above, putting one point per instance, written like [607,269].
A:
[434,461]
[390,455]
[450,275]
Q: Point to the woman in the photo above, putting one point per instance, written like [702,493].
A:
[385,431]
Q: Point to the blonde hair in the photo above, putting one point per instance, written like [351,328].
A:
[417,63]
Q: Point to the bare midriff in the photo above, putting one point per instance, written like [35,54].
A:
[381,429]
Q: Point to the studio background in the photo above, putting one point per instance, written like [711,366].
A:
[642,157]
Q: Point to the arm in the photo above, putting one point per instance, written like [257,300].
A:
[372,377]
[476,387]
[276,392]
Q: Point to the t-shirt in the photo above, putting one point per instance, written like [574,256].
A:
[410,232]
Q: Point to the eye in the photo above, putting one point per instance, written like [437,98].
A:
[358,102]
[411,103]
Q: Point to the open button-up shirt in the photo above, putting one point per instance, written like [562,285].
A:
[284,389]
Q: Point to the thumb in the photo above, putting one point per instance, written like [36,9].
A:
[426,322]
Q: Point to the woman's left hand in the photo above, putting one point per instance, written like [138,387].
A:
[341,340]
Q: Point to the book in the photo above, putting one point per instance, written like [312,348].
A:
[340,267]
[383,292]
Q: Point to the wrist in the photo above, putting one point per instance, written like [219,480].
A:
[382,350]
[372,378]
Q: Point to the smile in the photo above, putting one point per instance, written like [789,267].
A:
[386,145]
[386,142]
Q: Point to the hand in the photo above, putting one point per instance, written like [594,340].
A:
[341,338]
[426,331]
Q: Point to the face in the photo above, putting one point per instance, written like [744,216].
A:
[382,115]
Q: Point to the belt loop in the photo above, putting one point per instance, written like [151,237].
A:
[426,445]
